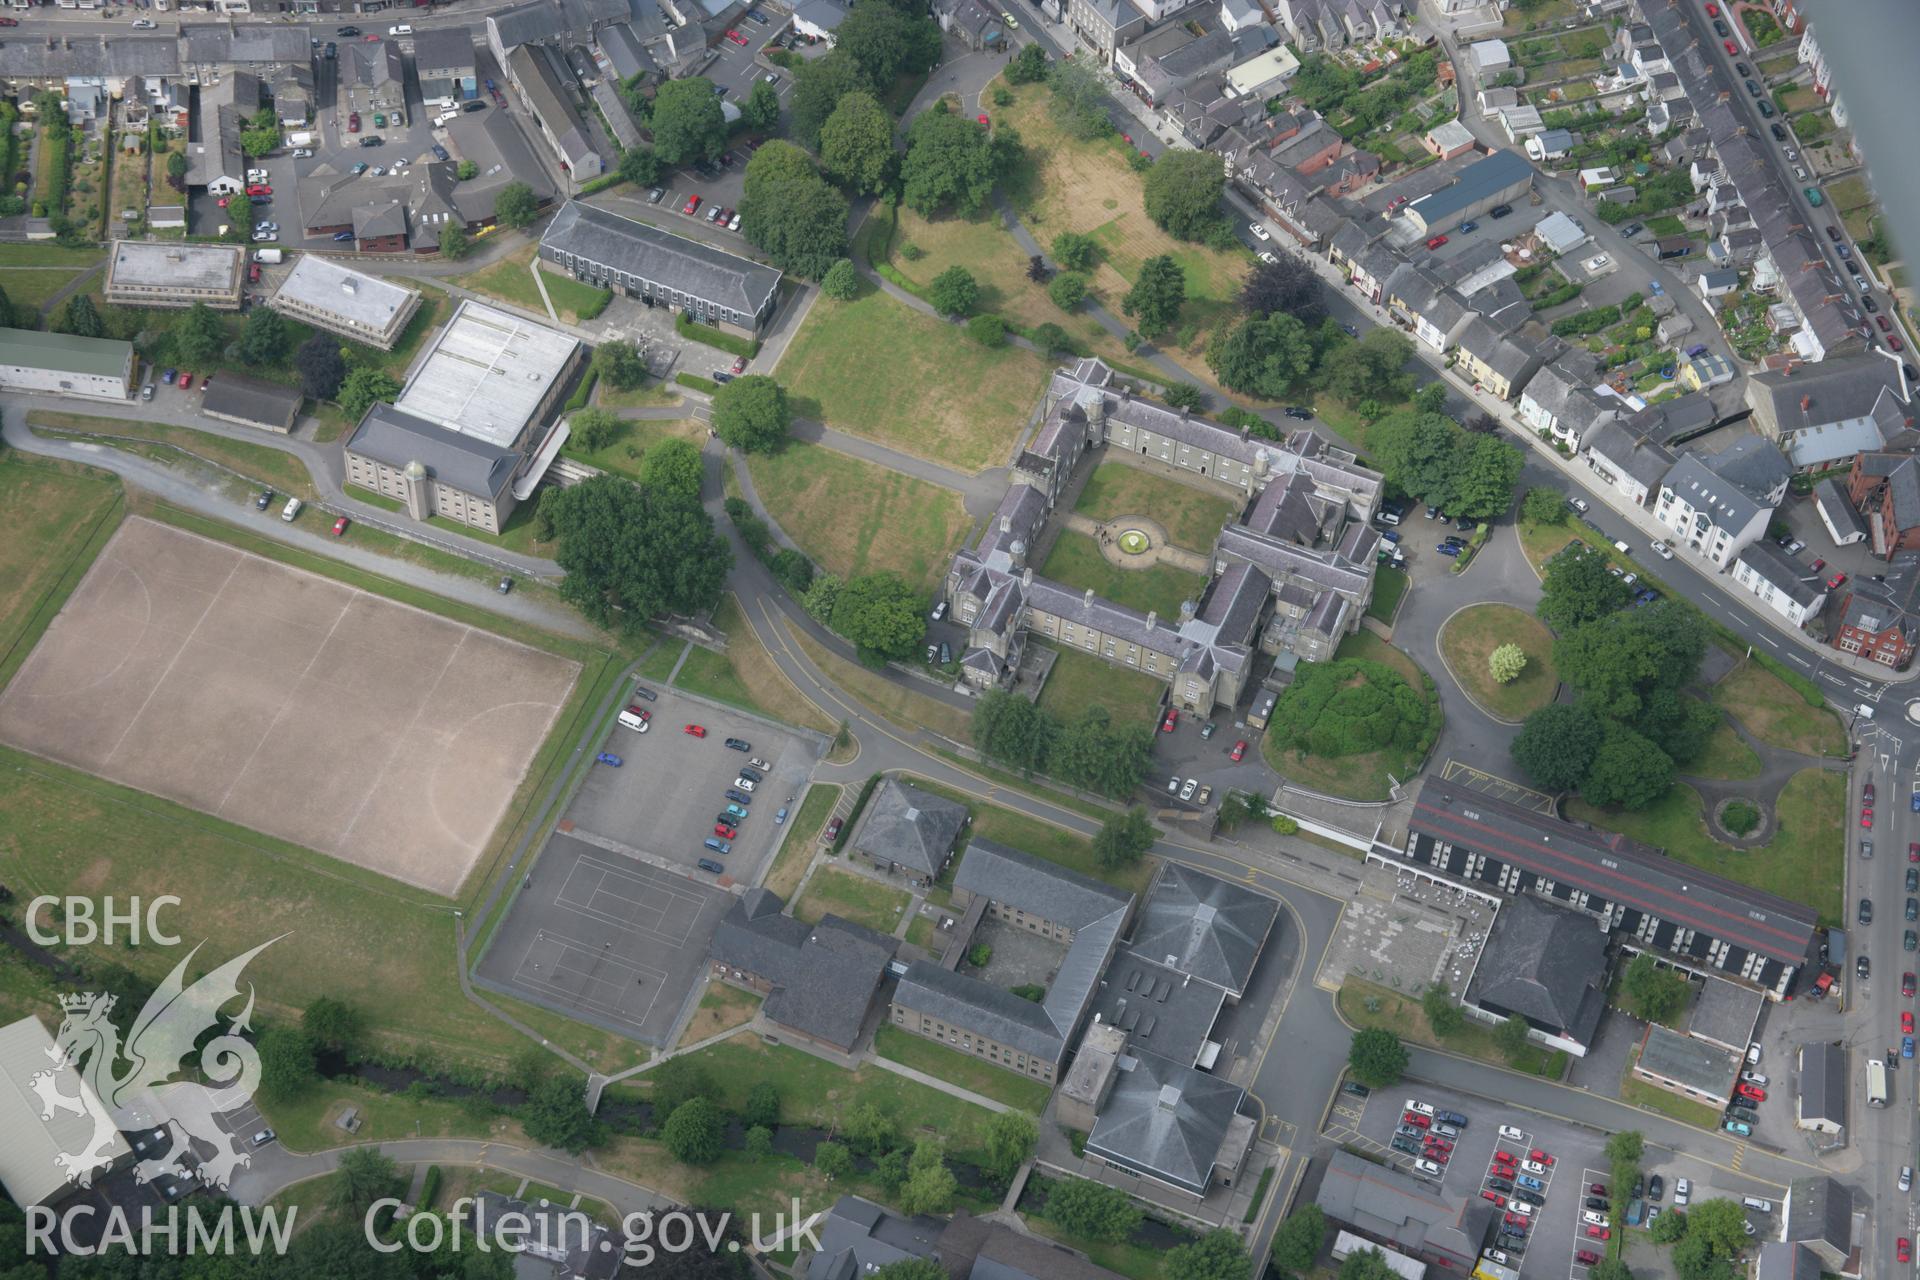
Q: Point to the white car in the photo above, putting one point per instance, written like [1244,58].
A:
[1800,174]
[1512,1134]
[1578,504]
[144,24]
[1427,1167]
[1260,233]
[1534,1167]
[757,763]
[1188,788]
[1268,258]
[1593,1219]
[1753,1050]
[1754,1077]
[1906,1177]
[1599,262]
[1522,1208]
[257,175]
[1682,1193]
[1500,1256]
[1791,155]
[1662,550]
[303,153]
[745,783]
[1423,1108]
[1173,785]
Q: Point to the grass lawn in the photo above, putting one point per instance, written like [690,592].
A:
[879,369]
[1804,862]
[853,516]
[1042,839]
[511,280]
[900,705]
[1075,561]
[974,1074]
[851,897]
[1389,585]
[307,1123]
[1726,757]
[32,286]
[261,462]
[721,1008]
[1775,714]
[1192,515]
[57,516]
[519,535]
[796,850]
[434,309]
[1469,636]
[746,676]
[920,934]
[1368,775]
[647,395]
[1368,1004]
[1134,1261]
[1539,542]
[1081,680]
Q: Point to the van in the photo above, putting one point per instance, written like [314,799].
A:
[1864,711]
[719,846]
[1622,547]
[1389,517]
[401,30]
[291,510]
[440,120]
[1756,1204]
[632,721]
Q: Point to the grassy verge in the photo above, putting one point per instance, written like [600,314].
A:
[902,706]
[851,897]
[1080,680]
[1470,636]
[803,828]
[259,462]
[1389,585]
[721,1008]
[1775,713]
[1368,1004]
[627,444]
[1076,562]
[746,676]
[1638,1093]
[1042,839]
[1726,758]
[1037,789]
[975,1075]
[713,336]
[1134,1261]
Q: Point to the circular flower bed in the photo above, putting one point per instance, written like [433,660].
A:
[1133,542]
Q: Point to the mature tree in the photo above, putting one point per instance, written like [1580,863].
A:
[882,615]
[1010,729]
[1544,506]
[1376,1057]
[1506,662]
[515,207]
[911,1269]
[557,1116]
[262,134]
[1372,368]
[1619,662]
[1157,295]
[286,1063]
[1218,1255]
[1366,1264]
[198,335]
[1607,1268]
[592,429]
[759,1142]
[1298,1240]
[1431,398]
[1067,290]
[1511,1037]
[1577,589]
[467,170]
[1091,1210]
[954,291]
[240,219]
[1418,451]
[631,554]
[78,317]
[673,467]
[1049,338]
[1079,102]
[763,1105]
[1011,1139]
[1182,193]
[1669,1226]
[1075,251]
[818,86]
[930,1185]
[638,165]
[688,125]
[1123,839]
[790,213]
[333,1024]
[1721,1223]
[364,1176]
[1660,992]
[619,365]
[365,386]
[886,42]
[856,144]
[1184,395]
[678,1081]
[1484,472]
[455,243]
[695,1133]
[1286,285]
[762,107]
[1264,356]
[751,413]
[1443,1014]
[988,330]
[842,282]
[177,169]
[1694,1259]
[1029,66]
[263,337]
[1556,746]
[320,366]
[832,1160]
[950,162]
[1626,1147]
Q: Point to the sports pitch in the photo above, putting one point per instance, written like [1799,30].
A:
[288,703]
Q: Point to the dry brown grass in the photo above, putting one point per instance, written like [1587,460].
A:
[762,677]
[902,706]
[855,517]
[722,1008]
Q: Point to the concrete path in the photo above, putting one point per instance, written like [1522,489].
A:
[935,1082]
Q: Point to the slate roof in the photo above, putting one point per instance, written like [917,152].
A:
[1895,603]
[1703,1067]
[236,395]
[974,1248]
[560,21]
[1612,867]
[1823,1082]
[1547,964]
[1838,507]
[911,827]
[1506,357]
[1036,886]
[444,50]
[1753,463]
[857,1237]
[465,462]
[56,57]
[230,42]
[1204,926]
[1779,1260]
[1819,1212]
[1162,1013]
[1835,391]
[493,142]
[379,218]
[690,266]
[1403,1211]
[547,94]
[991,1011]
[823,975]
[1901,472]
[1726,503]
[1788,576]
[1166,1120]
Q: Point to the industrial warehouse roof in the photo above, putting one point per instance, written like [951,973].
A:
[161,265]
[675,261]
[1616,869]
[65,353]
[1481,180]
[358,299]
[486,373]
[30,1141]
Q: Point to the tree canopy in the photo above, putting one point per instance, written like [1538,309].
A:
[1263,356]
[950,163]
[886,41]
[1218,1255]
[1287,285]
[818,86]
[1371,368]
[1123,839]
[1556,746]
[1660,992]
[1078,101]
[364,386]
[320,366]
[198,335]
[632,554]
[882,615]
[856,144]
[696,1132]
[619,365]
[1182,193]
[1577,589]
[1376,1057]
[1298,1240]
[954,291]
[515,205]
[673,467]
[751,413]
[790,213]
[557,1115]
[1157,295]
[688,125]
[1091,1210]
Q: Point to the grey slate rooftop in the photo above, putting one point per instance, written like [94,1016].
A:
[1789,576]
[237,395]
[1545,963]
[823,975]
[1162,1013]
[858,1236]
[1167,1121]
[624,244]
[467,463]
[912,827]
[991,1011]
[1203,926]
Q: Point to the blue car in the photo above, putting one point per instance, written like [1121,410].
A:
[739,797]
[1530,1182]
[607,757]
[1740,1127]
[1388,535]
[722,847]
[341,237]
[1906,1046]
[780,817]
[735,812]
[1916,800]
[1468,226]
[1448,548]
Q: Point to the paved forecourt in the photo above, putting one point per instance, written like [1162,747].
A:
[288,703]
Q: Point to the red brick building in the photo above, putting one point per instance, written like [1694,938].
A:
[1881,620]
[1885,489]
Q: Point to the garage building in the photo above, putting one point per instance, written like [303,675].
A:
[66,365]
[172,274]
[251,402]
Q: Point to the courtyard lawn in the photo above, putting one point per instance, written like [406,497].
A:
[1040,838]
[976,1075]
[1726,758]
[1471,635]
[1367,775]
[1540,542]
[1080,680]
[721,1008]
[877,368]
[1076,562]
[796,848]
[628,443]
[1804,862]
[511,280]
[436,306]
[1775,714]
[852,897]
[29,288]
[1368,1004]
[746,676]
[1191,515]
[1389,585]
[854,517]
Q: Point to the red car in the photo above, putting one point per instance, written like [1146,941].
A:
[1436,242]
[1438,1144]
[697,731]
[1866,818]
[644,714]
[1731,47]
[1903,1249]
[259,189]
[1886,325]
[1494,1196]
[740,364]
[1906,984]
[985,123]
[833,830]
[1867,793]
[1906,1022]
[1515,1220]
[1816,567]
[353,122]
[1505,1158]
[1894,343]
[1173,718]
[222,202]
[724,831]
[1239,752]
[253,273]
[693,202]
[1414,1118]
[186,380]
[1599,1233]
[1713,11]
[737,38]
[1836,581]
[340,526]
[1587,1258]
[1597,1189]
[1753,1091]
[1541,1156]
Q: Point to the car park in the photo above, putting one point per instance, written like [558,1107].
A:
[1530,1182]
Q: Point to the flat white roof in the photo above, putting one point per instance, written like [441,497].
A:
[486,373]
[156,264]
[356,297]
[30,1145]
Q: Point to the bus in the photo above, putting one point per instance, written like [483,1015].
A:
[1876,1083]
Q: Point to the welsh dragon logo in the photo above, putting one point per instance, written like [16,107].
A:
[123,1080]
